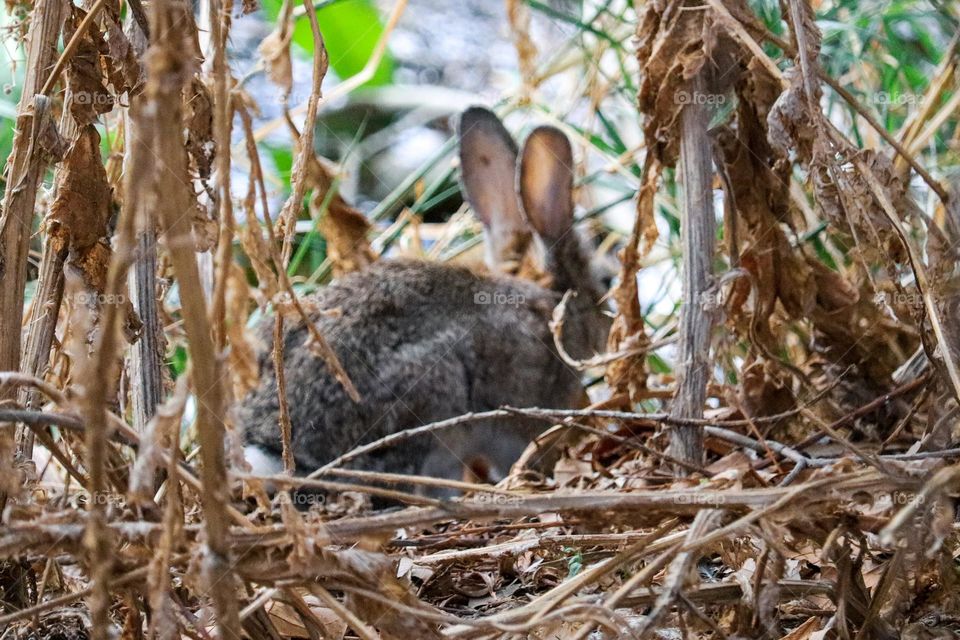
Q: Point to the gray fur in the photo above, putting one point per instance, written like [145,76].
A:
[424,342]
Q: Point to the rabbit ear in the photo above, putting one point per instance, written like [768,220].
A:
[488,157]
[546,182]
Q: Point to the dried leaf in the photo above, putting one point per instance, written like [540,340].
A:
[121,61]
[790,125]
[275,50]
[242,355]
[84,76]
[671,50]
[345,229]
[82,207]
[198,121]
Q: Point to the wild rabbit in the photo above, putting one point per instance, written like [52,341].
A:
[423,341]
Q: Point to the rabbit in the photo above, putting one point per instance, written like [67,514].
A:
[424,341]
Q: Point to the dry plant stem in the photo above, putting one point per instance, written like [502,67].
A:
[903,154]
[359,627]
[351,83]
[754,503]
[943,76]
[947,350]
[738,31]
[379,477]
[98,371]
[166,60]
[554,414]
[146,388]
[40,330]
[222,126]
[291,208]
[400,496]
[45,309]
[715,593]
[159,586]
[286,428]
[146,375]
[71,47]
[937,121]
[305,151]
[679,570]
[24,169]
[698,232]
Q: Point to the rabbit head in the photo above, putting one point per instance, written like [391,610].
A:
[514,193]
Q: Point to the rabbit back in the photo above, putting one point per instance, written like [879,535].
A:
[422,342]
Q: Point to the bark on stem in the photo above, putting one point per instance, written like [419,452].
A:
[168,66]
[698,232]
[146,355]
[25,168]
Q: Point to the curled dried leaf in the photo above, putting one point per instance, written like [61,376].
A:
[345,228]
[242,355]
[198,116]
[275,50]
[86,84]
[82,207]
[120,60]
[790,125]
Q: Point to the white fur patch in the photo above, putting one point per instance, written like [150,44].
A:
[261,461]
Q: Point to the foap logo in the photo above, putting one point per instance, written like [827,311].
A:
[908,298]
[512,299]
[697,97]
[93,298]
[706,499]
[498,499]
[707,301]
[899,99]
[96,98]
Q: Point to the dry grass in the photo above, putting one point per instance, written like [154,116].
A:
[811,497]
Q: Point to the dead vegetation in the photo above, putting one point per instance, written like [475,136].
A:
[800,485]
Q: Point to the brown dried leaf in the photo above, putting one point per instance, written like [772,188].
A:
[51,143]
[790,125]
[275,50]
[345,228]
[763,392]
[84,75]
[289,624]
[82,207]
[242,355]
[206,229]
[671,50]
[120,60]
[628,375]
[804,631]
[198,121]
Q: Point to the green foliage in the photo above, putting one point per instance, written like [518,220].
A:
[351,30]
[574,561]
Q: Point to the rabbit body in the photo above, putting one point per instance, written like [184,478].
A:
[423,342]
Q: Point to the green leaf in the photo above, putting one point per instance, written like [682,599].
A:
[351,30]
[178,361]
[574,561]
